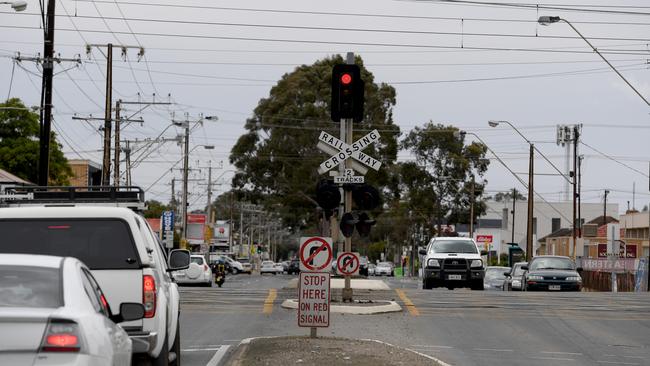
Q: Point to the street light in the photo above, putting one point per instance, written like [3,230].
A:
[18,5]
[531,196]
[548,20]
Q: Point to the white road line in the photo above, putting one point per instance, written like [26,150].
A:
[429,346]
[493,350]
[617,363]
[214,361]
[201,349]
[562,353]
[552,358]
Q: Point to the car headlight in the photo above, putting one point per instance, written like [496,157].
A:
[574,278]
[433,263]
[477,263]
[535,278]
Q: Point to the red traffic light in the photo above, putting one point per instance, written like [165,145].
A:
[346,79]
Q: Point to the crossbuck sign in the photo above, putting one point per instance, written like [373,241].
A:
[343,151]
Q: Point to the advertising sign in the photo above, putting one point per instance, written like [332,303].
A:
[167,228]
[221,230]
[485,241]
[196,226]
[314,299]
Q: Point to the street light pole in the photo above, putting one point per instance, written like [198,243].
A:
[529,225]
[546,20]
[46,97]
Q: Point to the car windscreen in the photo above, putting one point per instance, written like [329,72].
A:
[551,263]
[496,273]
[384,264]
[100,244]
[197,260]
[454,246]
[31,287]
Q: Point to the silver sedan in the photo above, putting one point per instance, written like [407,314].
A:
[52,312]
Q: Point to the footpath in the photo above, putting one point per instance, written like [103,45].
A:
[324,351]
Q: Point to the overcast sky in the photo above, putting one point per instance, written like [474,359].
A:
[459,64]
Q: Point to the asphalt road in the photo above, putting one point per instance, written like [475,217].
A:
[459,327]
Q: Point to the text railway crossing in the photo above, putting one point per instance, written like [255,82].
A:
[346,151]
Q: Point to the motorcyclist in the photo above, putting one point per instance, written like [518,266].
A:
[219,271]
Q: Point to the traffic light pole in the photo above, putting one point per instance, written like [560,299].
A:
[347,290]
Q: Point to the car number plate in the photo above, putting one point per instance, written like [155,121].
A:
[554,287]
[454,277]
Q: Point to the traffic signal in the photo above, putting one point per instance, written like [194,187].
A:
[365,224]
[347,93]
[327,195]
[348,221]
[366,197]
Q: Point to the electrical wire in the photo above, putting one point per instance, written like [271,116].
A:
[615,160]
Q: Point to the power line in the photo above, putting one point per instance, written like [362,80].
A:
[531,6]
[615,160]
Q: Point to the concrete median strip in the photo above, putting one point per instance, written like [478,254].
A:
[356,284]
[377,307]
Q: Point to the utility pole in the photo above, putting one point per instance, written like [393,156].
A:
[605,208]
[580,195]
[116,175]
[127,152]
[576,137]
[209,207]
[471,208]
[46,96]
[347,126]
[186,162]
[173,201]
[106,165]
[514,201]
[531,195]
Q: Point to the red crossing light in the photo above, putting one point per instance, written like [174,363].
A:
[346,79]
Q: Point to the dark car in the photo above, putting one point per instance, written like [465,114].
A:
[515,278]
[552,273]
[294,266]
[363,266]
[494,277]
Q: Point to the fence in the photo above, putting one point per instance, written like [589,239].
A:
[631,275]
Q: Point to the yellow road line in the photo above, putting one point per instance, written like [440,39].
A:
[268,303]
[408,303]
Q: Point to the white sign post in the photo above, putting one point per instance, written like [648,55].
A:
[314,300]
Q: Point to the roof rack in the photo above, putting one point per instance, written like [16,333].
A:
[126,196]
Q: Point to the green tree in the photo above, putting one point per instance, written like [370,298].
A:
[19,145]
[277,157]
[438,183]
[155,209]
[507,196]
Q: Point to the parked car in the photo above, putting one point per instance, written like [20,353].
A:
[268,267]
[294,266]
[279,268]
[199,272]
[514,279]
[285,266]
[363,265]
[384,268]
[552,273]
[371,269]
[242,265]
[53,312]
[494,277]
[118,246]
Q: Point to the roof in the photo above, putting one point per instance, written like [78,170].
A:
[599,220]
[32,260]
[66,212]
[6,177]
[557,234]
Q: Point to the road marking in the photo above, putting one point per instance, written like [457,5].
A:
[201,349]
[214,361]
[493,350]
[268,303]
[429,346]
[562,353]
[552,358]
[617,363]
[408,303]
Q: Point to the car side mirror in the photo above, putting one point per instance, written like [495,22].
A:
[579,269]
[129,311]
[525,268]
[179,259]
[422,251]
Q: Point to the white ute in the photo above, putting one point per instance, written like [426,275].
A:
[118,246]
[452,262]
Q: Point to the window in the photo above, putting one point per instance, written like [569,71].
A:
[555,224]
[30,287]
[100,244]
[94,293]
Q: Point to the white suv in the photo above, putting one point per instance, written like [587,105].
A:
[124,256]
[452,262]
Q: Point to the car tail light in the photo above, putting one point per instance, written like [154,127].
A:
[61,336]
[149,296]
[205,267]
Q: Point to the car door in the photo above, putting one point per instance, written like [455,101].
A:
[117,337]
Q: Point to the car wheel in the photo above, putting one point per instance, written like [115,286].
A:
[450,288]
[176,348]
[477,286]
[235,271]
[163,356]
[426,285]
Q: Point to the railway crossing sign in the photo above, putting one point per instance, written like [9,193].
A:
[349,177]
[348,263]
[342,152]
[315,254]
